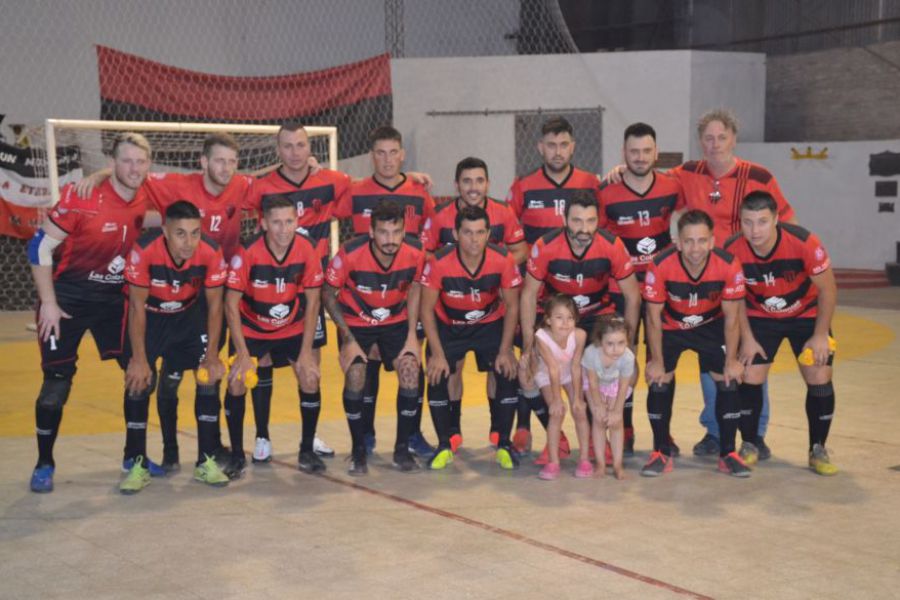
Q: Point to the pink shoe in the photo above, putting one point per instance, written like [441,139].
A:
[584,469]
[550,472]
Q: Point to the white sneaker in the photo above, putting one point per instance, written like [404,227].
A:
[262,452]
[321,448]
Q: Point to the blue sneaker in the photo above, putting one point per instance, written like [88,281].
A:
[369,441]
[155,469]
[419,446]
[42,479]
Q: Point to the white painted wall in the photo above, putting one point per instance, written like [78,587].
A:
[835,197]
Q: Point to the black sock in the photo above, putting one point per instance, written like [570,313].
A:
[353,411]
[370,394]
[627,423]
[455,415]
[494,410]
[440,407]
[235,406]
[751,409]
[206,410]
[167,409]
[659,411]
[420,397]
[310,407]
[47,422]
[538,407]
[819,412]
[728,415]
[137,407]
[523,412]
[506,403]
[262,401]
[407,407]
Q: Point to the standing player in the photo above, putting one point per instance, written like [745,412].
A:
[166,273]
[539,202]
[314,194]
[372,295]
[694,294]
[271,305]
[638,210]
[579,261]
[791,294]
[470,301]
[387,182]
[87,239]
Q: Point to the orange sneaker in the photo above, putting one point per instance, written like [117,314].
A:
[658,464]
[494,438]
[455,442]
[522,440]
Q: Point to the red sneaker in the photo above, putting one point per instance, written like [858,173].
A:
[522,441]
[494,438]
[456,441]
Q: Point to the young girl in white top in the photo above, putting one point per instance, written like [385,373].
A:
[559,345]
[608,364]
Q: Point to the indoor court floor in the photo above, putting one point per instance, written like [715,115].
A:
[473,531]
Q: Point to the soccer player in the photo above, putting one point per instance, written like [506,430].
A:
[314,195]
[167,272]
[387,182]
[539,202]
[372,294]
[694,293]
[638,210]
[78,260]
[271,306]
[470,301]
[791,293]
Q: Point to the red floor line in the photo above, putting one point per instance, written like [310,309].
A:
[518,537]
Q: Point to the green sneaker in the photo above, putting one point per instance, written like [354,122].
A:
[137,479]
[442,457]
[507,459]
[210,473]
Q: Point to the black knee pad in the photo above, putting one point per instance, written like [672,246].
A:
[821,391]
[168,383]
[732,386]
[54,392]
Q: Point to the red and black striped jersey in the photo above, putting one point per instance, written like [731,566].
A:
[221,214]
[364,195]
[689,301]
[721,198]
[505,228]
[174,288]
[90,263]
[368,292]
[315,198]
[585,278]
[641,221]
[540,203]
[779,284]
[272,291]
[470,298]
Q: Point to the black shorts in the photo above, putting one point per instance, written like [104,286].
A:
[771,332]
[390,340]
[204,317]
[105,321]
[282,351]
[708,341]
[177,338]
[482,339]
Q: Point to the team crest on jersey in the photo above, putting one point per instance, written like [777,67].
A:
[336,261]
[789,276]
[714,296]
[427,224]
[317,204]
[820,253]
[650,279]
[236,262]
[535,252]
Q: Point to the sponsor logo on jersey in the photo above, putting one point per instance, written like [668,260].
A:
[535,204]
[158,283]
[364,289]
[775,304]
[625,220]
[303,230]
[367,213]
[381,313]
[170,306]
[474,315]
[562,277]
[581,300]
[646,245]
[109,227]
[279,311]
[455,294]
[116,265]
[674,298]
[691,321]
[260,284]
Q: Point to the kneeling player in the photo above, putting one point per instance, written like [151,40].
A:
[271,306]
[470,301]
[693,296]
[166,273]
[791,294]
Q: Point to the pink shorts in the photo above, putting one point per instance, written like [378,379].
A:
[608,392]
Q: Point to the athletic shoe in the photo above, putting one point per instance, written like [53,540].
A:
[358,464]
[170,466]
[369,441]
[820,462]
[507,458]
[262,451]
[708,446]
[584,469]
[404,461]
[443,456]
[658,464]
[309,462]
[155,469]
[222,455]
[628,449]
[749,453]
[734,465]
[137,479]
[321,448]
[765,453]
[235,467]
[42,479]
[419,446]
[550,472]
[543,458]
[522,441]
[676,451]
[494,438]
[607,455]
[456,442]
[210,473]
